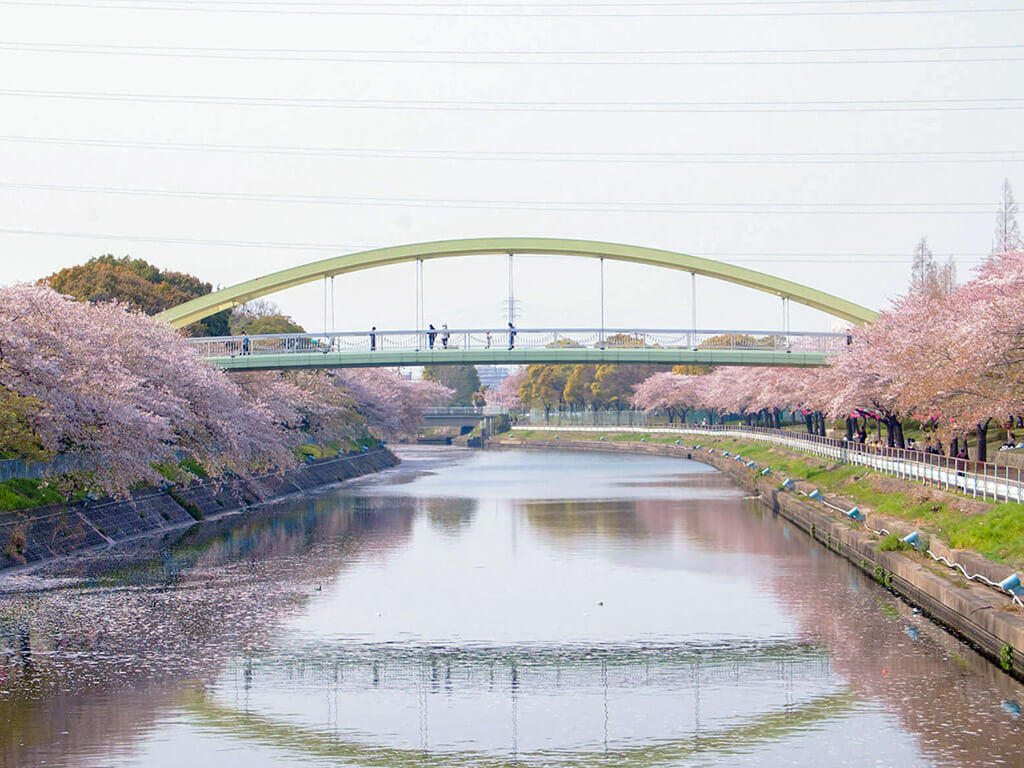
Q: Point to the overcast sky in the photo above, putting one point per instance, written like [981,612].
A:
[720,129]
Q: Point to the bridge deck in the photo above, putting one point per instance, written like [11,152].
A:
[492,346]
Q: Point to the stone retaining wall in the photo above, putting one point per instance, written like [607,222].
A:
[53,531]
[974,612]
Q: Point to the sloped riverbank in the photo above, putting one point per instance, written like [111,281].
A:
[38,535]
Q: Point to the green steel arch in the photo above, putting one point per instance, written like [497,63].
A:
[204,306]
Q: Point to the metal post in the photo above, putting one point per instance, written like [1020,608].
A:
[325,305]
[601,344]
[785,320]
[332,304]
[419,302]
[693,307]
[511,291]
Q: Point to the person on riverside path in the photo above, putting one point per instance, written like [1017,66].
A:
[245,343]
[511,336]
[431,335]
[373,339]
[487,339]
[444,335]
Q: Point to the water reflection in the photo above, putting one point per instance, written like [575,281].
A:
[492,609]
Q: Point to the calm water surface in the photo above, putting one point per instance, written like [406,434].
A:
[492,609]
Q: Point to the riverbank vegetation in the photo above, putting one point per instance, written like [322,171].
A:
[139,284]
[949,358]
[126,394]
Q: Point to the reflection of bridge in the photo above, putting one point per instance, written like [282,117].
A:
[516,682]
[553,346]
[745,735]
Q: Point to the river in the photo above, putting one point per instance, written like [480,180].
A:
[491,609]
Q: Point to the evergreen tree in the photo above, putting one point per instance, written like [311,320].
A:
[462,379]
[139,283]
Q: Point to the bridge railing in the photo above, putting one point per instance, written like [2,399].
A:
[526,338]
[977,478]
[460,410]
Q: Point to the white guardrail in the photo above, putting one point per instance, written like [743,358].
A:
[976,478]
[441,339]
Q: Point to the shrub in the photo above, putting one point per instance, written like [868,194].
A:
[892,543]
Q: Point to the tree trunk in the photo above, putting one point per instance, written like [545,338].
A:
[890,431]
[849,428]
[982,429]
[900,440]
[953,446]
[808,419]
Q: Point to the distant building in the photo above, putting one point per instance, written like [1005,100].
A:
[493,375]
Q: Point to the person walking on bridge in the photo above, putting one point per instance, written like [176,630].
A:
[431,335]
[444,335]
[511,336]
[373,339]
[245,343]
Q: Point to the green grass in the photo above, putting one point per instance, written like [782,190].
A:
[309,450]
[997,534]
[892,543]
[193,467]
[22,494]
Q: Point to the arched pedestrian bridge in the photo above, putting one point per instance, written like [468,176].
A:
[490,346]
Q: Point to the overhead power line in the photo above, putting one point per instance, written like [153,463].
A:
[736,8]
[938,156]
[695,207]
[896,55]
[828,105]
[747,257]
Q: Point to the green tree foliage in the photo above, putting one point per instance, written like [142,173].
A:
[727,341]
[544,386]
[262,317]
[578,392]
[139,283]
[613,384]
[582,386]
[255,326]
[463,379]
[18,438]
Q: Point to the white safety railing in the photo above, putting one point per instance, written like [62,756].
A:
[977,478]
[525,338]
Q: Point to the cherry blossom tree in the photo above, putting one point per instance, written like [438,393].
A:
[390,404]
[507,392]
[673,393]
[124,391]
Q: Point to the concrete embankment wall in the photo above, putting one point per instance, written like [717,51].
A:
[53,531]
[975,613]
